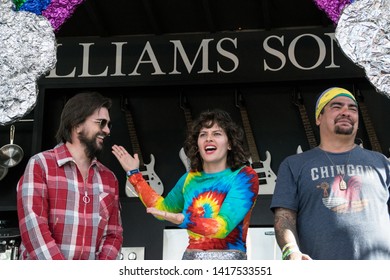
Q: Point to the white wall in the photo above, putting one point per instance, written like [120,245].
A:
[261,244]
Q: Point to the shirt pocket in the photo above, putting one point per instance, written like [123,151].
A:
[106,206]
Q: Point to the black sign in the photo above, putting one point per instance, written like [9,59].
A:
[231,57]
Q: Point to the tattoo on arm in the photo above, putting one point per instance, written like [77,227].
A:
[285,221]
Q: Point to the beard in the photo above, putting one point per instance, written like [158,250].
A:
[92,149]
[343,131]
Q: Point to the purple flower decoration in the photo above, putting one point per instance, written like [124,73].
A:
[56,11]
[59,11]
[333,8]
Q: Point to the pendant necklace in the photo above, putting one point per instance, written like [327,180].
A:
[342,184]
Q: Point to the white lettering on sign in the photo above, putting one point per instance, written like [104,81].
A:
[320,52]
[210,56]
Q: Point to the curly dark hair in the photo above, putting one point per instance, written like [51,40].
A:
[236,157]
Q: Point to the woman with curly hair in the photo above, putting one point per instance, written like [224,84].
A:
[214,200]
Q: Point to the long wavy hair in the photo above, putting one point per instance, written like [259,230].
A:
[237,156]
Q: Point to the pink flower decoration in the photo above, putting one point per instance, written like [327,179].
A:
[333,8]
[58,11]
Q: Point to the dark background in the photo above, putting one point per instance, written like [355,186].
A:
[157,110]
[104,18]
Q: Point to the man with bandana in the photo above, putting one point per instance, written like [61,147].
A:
[332,202]
[67,201]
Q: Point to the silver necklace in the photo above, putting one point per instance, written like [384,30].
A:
[342,184]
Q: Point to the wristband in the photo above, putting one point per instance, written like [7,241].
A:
[289,252]
[289,249]
[131,172]
[288,245]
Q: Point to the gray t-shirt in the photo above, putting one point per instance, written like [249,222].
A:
[333,223]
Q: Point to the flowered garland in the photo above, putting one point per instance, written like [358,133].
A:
[56,11]
[333,8]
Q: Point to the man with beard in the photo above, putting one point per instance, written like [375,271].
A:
[331,202]
[67,201]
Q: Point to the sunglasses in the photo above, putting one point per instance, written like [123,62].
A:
[103,122]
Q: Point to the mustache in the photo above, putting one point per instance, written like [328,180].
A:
[102,134]
[344,118]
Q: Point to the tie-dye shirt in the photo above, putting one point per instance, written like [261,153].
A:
[216,206]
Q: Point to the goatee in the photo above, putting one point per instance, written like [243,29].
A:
[344,131]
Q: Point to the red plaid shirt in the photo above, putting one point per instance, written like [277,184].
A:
[56,220]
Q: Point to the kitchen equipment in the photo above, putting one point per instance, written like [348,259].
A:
[11,154]
[9,243]
[3,172]
[132,253]
[262,245]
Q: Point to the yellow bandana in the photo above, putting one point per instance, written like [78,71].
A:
[328,95]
